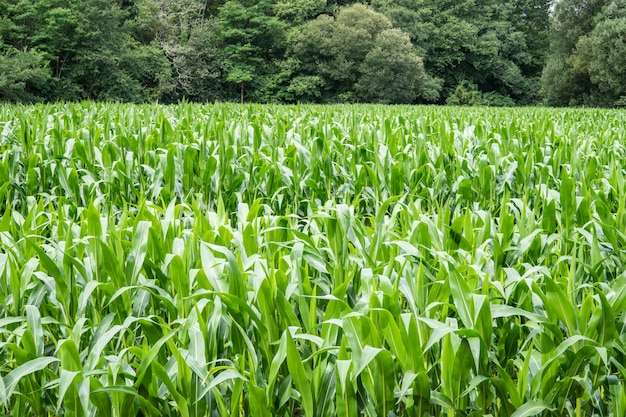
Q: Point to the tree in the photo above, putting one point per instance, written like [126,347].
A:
[483,43]
[607,47]
[411,16]
[188,34]
[107,63]
[532,18]
[391,71]
[91,49]
[199,64]
[250,34]
[298,11]
[566,79]
[353,55]
[35,28]
[22,75]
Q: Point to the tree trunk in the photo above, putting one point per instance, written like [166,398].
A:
[241,89]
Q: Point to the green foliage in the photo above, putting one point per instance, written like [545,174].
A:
[189,38]
[220,260]
[465,94]
[108,65]
[87,50]
[298,11]
[514,51]
[607,46]
[200,65]
[497,46]
[532,17]
[251,34]
[567,74]
[335,47]
[22,75]
[356,55]
[306,87]
[391,72]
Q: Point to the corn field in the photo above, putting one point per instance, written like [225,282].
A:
[312,261]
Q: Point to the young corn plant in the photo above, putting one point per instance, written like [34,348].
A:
[230,260]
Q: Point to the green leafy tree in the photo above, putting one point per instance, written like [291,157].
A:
[22,75]
[356,55]
[96,67]
[188,34]
[92,48]
[532,18]
[199,64]
[333,48]
[251,37]
[607,46]
[481,42]
[391,71]
[409,15]
[298,11]
[45,28]
[566,79]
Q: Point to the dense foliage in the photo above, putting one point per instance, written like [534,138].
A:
[311,261]
[386,51]
[588,54]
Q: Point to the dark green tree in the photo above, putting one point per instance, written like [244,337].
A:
[606,46]
[297,12]
[33,33]
[353,56]
[107,63]
[481,42]
[252,38]
[409,15]
[532,18]
[566,79]
[391,71]
[23,74]
[89,48]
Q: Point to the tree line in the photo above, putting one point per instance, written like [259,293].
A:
[493,52]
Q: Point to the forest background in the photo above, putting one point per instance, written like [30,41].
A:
[485,52]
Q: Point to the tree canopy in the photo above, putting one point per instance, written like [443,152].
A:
[498,52]
[587,61]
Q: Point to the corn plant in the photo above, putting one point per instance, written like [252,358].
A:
[227,260]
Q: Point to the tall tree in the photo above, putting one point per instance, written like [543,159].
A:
[188,33]
[251,36]
[199,64]
[355,55]
[566,78]
[606,46]
[391,71]
[89,50]
[481,43]
[532,18]
[107,63]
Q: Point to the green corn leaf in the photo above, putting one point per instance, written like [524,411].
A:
[461,294]
[299,375]
[13,378]
[138,251]
[225,375]
[532,408]
[559,304]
